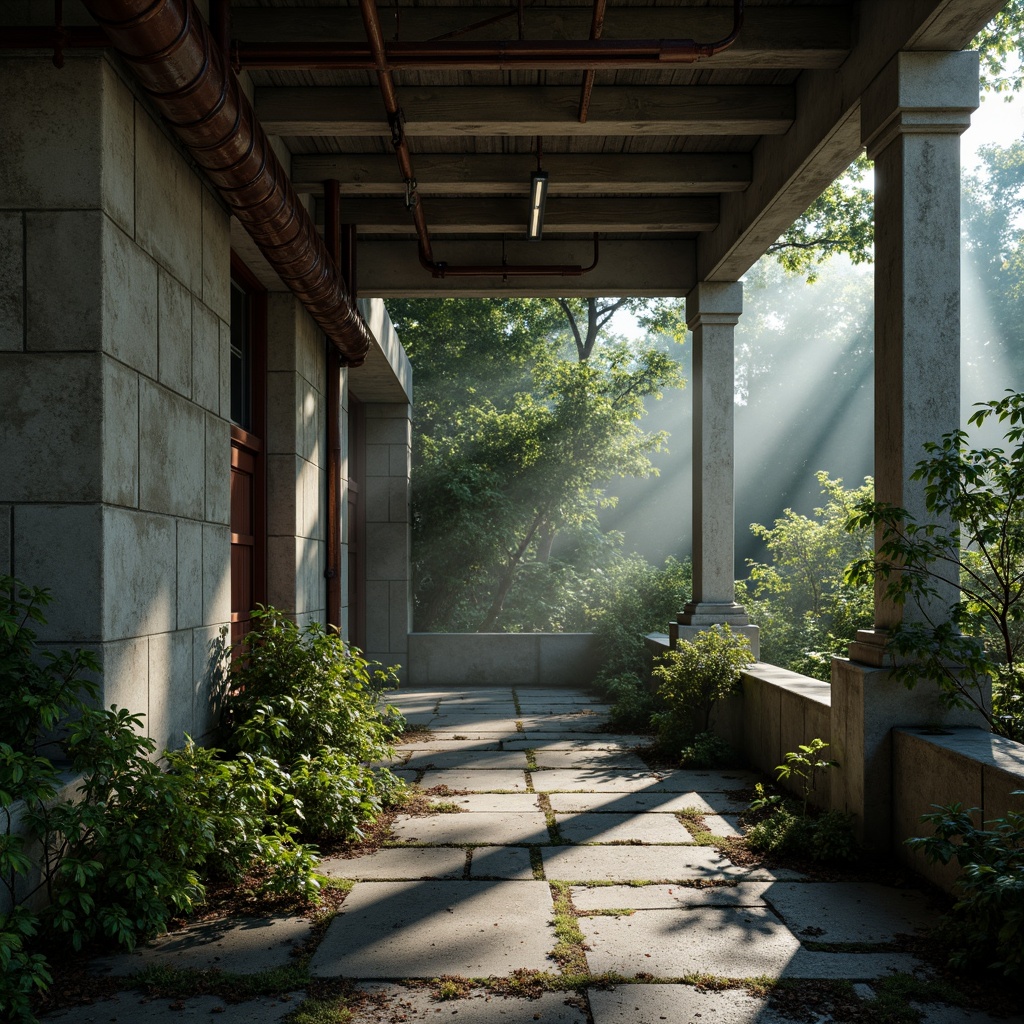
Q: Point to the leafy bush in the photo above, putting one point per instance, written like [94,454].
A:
[805,763]
[694,676]
[988,918]
[307,708]
[708,751]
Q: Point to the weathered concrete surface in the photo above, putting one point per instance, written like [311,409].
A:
[680,1004]
[645,863]
[131,1007]
[481,827]
[412,930]
[438,862]
[508,862]
[589,759]
[643,802]
[600,741]
[593,780]
[391,1003]
[851,911]
[508,803]
[668,897]
[468,759]
[478,782]
[705,782]
[590,827]
[240,946]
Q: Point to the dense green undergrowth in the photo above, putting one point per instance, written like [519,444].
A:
[102,842]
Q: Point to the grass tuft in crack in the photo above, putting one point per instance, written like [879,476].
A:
[570,952]
[544,803]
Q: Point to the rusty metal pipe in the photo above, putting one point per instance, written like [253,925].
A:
[173,54]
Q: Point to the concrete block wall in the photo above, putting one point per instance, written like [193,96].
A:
[388,462]
[296,446]
[114,442]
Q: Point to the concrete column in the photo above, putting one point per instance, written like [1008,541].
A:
[911,118]
[712,311]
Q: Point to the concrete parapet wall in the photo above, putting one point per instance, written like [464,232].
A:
[503,659]
[781,710]
[939,767]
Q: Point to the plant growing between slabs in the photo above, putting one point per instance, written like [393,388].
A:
[974,543]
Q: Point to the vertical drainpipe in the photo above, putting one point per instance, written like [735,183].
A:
[332,239]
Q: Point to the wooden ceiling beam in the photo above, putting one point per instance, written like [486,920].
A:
[787,37]
[526,110]
[497,174]
[652,268]
[564,214]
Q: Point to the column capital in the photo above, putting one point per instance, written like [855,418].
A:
[920,93]
[714,302]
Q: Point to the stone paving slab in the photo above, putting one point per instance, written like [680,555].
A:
[724,825]
[575,741]
[850,966]
[679,1004]
[667,897]
[476,782]
[418,718]
[481,1007]
[932,1013]
[482,723]
[851,911]
[705,782]
[475,760]
[647,863]
[503,709]
[506,803]
[492,743]
[473,736]
[639,803]
[437,862]
[556,694]
[422,930]
[131,1008]
[511,862]
[590,759]
[589,827]
[593,780]
[730,942]
[239,945]
[488,828]
[581,721]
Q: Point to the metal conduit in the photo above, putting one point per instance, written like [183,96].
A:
[168,46]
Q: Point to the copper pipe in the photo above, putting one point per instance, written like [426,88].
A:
[170,49]
[332,240]
[512,270]
[596,27]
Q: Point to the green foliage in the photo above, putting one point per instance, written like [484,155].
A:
[1000,46]
[805,763]
[988,918]
[972,545]
[21,972]
[306,713]
[802,600]
[693,676]
[708,751]
[840,220]
[512,445]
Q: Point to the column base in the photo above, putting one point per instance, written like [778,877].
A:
[697,617]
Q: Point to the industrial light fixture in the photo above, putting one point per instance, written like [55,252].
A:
[538,197]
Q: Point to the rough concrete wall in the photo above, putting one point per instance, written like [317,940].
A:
[114,302]
[388,593]
[296,460]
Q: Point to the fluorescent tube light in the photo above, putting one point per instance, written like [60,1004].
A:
[538,197]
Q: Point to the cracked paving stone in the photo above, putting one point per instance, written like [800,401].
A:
[667,897]
[485,781]
[679,1004]
[478,828]
[131,1008]
[589,827]
[415,862]
[642,802]
[391,1003]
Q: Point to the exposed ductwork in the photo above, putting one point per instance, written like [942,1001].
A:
[168,46]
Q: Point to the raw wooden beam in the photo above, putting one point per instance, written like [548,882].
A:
[563,214]
[487,174]
[525,110]
[776,37]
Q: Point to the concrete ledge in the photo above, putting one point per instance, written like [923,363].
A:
[502,659]
[934,768]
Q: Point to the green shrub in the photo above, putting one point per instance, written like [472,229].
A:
[987,921]
[708,751]
[694,676]
[309,707]
[632,702]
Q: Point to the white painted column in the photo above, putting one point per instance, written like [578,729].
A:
[912,116]
[712,310]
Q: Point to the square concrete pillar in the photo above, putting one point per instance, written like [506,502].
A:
[712,311]
[912,116]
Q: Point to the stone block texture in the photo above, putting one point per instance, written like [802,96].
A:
[388,455]
[114,302]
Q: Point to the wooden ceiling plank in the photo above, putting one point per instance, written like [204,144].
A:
[492,174]
[524,110]
[566,214]
[802,36]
